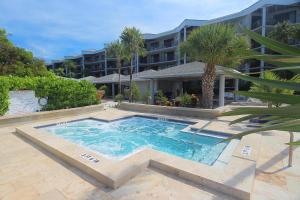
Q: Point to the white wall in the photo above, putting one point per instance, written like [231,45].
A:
[143,86]
[22,102]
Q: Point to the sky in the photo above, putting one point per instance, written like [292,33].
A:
[52,29]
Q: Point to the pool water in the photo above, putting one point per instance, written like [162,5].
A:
[120,138]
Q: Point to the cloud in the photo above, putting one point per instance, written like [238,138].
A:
[54,28]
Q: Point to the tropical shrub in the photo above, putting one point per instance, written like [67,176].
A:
[104,88]
[136,93]
[269,75]
[146,97]
[63,93]
[186,99]
[4,97]
[282,32]
[119,98]
[60,93]
[160,98]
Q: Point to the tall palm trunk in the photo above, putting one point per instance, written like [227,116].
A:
[208,80]
[130,80]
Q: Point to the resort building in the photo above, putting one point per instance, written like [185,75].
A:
[163,52]
[163,48]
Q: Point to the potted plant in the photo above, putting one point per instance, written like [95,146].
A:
[101,92]
[119,98]
[194,100]
[177,101]
[186,100]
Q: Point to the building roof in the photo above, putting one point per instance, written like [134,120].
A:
[92,51]
[112,78]
[189,70]
[252,8]
[186,22]
[137,76]
[88,78]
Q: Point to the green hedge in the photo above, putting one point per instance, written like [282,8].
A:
[60,93]
[4,97]
[63,93]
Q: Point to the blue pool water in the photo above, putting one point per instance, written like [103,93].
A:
[119,138]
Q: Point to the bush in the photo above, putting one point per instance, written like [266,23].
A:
[146,97]
[63,93]
[186,99]
[119,98]
[136,93]
[104,88]
[60,93]
[4,97]
[161,98]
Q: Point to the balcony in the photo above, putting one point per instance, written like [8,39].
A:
[167,46]
[160,61]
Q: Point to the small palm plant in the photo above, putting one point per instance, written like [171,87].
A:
[116,50]
[286,118]
[269,75]
[133,42]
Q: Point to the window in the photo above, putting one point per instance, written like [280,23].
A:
[155,58]
[154,45]
[169,43]
[289,16]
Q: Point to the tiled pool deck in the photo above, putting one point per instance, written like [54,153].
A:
[28,171]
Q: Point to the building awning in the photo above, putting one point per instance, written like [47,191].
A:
[112,78]
[189,70]
[88,78]
[138,76]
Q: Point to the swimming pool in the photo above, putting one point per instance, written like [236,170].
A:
[120,138]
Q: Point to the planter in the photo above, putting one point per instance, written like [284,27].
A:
[100,94]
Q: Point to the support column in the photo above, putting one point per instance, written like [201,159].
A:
[113,90]
[222,90]
[178,48]
[105,62]
[263,33]
[153,89]
[184,36]
[236,88]
[83,67]
[137,63]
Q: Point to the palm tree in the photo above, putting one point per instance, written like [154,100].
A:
[133,41]
[69,66]
[214,44]
[282,32]
[116,50]
[269,75]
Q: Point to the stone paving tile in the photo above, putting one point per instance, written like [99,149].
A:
[155,184]
[28,172]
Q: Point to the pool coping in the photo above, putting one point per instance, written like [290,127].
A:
[114,173]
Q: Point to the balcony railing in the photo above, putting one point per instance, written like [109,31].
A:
[152,62]
[162,47]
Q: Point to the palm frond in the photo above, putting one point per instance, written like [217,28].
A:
[273,44]
[271,83]
[275,98]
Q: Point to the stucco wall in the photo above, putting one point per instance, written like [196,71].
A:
[177,111]
[22,102]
